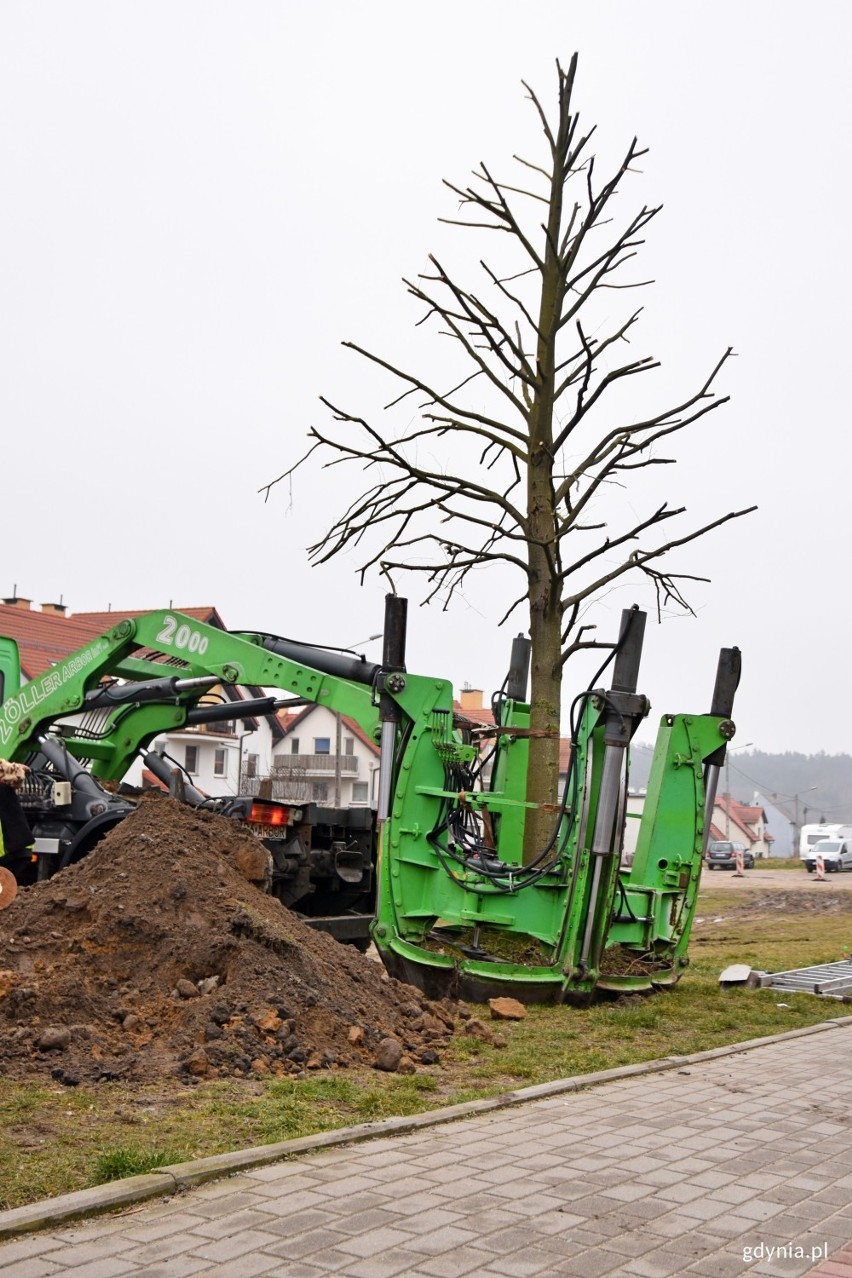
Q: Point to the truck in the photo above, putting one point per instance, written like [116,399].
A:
[321,858]
[812,834]
[459,910]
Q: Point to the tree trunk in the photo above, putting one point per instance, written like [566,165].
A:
[545,705]
[542,538]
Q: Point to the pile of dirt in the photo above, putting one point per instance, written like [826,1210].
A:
[156,955]
[797,901]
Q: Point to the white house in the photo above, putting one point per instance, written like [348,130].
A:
[325,757]
[218,756]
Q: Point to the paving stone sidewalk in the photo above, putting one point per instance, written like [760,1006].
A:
[742,1164]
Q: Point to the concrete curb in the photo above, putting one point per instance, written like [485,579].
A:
[177,1176]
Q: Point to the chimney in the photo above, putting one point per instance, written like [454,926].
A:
[15,601]
[59,609]
[470,698]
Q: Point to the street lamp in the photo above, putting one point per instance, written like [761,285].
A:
[245,732]
[728,752]
[369,639]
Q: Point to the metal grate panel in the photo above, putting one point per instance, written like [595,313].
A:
[830,980]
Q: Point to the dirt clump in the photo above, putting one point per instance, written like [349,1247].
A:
[155,956]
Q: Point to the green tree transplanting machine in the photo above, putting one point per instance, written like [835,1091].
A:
[457,912]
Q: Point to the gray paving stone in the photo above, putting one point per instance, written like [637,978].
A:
[249,1265]
[720,1265]
[450,1238]
[105,1267]
[147,1230]
[757,1209]
[425,1202]
[834,1227]
[704,1209]
[383,1239]
[593,1264]
[329,1260]
[452,1265]
[32,1267]
[170,1248]
[632,1243]
[644,1209]
[435,1219]
[340,1203]
[681,1192]
[176,1267]
[222,1250]
[281,1205]
[655,1264]
[82,1250]
[512,1238]
[296,1269]
[303,1245]
[524,1264]
[386,1265]
[537,1205]
[32,1245]
[221,1226]
[627,1193]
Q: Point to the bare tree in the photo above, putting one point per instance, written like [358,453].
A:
[537,360]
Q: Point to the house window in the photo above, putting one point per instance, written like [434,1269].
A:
[222,727]
[322,745]
[191,759]
[220,762]
[319,791]
[360,792]
[348,745]
[294,745]
[251,765]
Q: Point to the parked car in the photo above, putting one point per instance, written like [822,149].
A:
[722,855]
[836,855]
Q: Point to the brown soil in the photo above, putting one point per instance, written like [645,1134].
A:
[156,956]
[787,901]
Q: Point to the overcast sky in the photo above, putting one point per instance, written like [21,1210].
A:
[201,200]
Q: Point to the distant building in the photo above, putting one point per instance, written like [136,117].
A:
[783,827]
[742,822]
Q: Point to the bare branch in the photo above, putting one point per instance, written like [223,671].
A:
[435,397]
[639,558]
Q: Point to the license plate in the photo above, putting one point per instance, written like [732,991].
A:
[267,831]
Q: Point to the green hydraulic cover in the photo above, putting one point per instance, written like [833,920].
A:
[10,668]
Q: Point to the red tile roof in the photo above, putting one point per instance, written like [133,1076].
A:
[745,817]
[43,638]
[475,714]
[289,721]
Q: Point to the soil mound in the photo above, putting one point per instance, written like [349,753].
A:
[814,900]
[156,955]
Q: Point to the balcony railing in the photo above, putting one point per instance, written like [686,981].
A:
[285,789]
[316,764]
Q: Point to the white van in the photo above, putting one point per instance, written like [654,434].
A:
[836,855]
